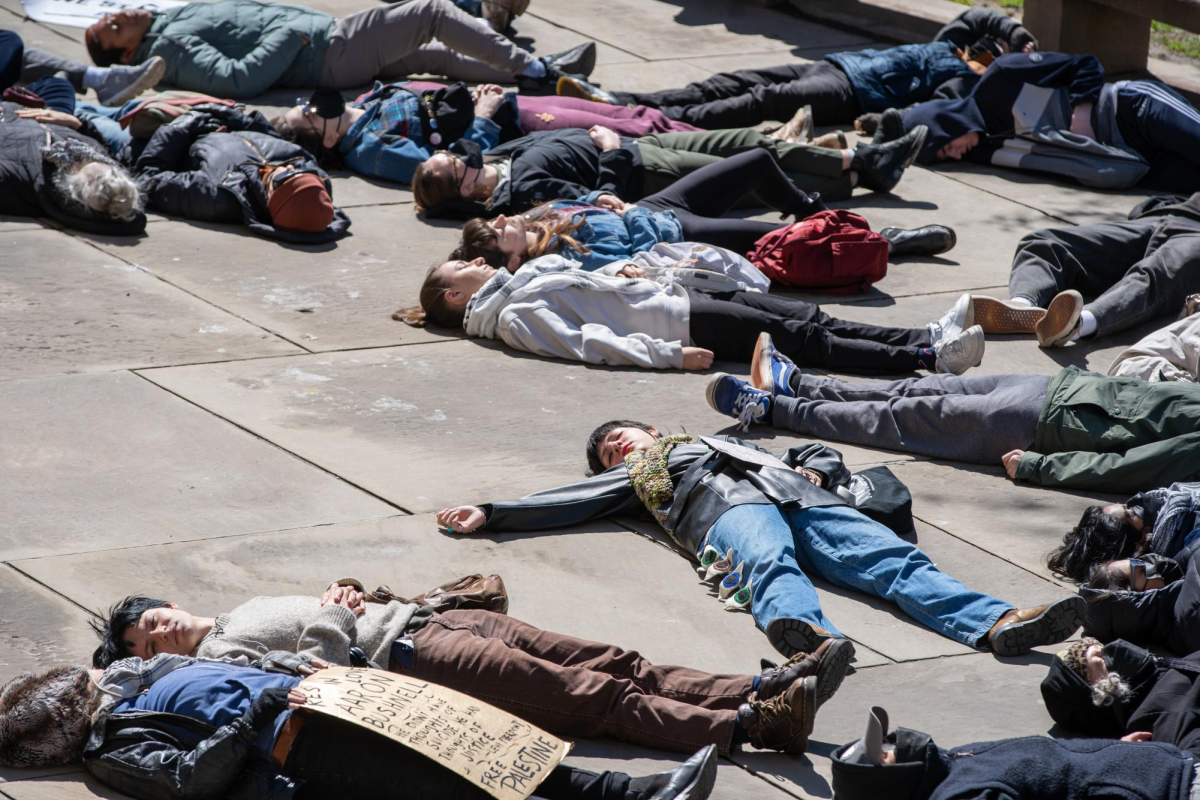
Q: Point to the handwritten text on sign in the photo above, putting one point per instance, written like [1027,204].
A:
[501,754]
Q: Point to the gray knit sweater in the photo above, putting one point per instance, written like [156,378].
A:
[299,625]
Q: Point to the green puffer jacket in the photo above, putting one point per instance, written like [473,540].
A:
[238,48]
[1113,434]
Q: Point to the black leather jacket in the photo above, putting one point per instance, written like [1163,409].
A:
[707,484]
[153,755]
[1169,616]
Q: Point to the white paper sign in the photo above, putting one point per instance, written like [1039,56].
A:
[82,13]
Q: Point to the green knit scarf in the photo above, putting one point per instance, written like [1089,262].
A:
[651,480]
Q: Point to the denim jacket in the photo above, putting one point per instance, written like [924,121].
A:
[393,151]
[610,237]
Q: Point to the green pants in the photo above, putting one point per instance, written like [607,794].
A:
[667,157]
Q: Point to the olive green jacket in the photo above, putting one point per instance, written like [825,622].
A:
[1111,434]
[238,48]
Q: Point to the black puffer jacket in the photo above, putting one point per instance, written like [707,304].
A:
[27,177]
[554,165]
[153,755]
[215,178]
[1169,616]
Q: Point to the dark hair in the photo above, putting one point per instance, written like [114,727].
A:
[595,465]
[1097,538]
[327,158]
[111,629]
[867,124]
[430,189]
[554,231]
[102,56]
[1107,577]
[434,307]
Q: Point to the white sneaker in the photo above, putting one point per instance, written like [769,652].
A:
[959,354]
[960,317]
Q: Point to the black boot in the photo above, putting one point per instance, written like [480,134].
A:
[930,240]
[891,127]
[880,166]
[578,62]
[691,780]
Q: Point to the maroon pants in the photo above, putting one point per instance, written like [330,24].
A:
[553,113]
[573,687]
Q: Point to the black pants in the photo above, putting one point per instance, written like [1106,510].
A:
[728,323]
[750,96]
[1163,127]
[1136,270]
[336,759]
[700,200]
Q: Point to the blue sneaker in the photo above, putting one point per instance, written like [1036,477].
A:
[771,370]
[736,398]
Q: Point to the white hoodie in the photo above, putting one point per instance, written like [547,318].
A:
[552,308]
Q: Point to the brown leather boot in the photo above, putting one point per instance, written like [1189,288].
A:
[784,722]
[834,141]
[1023,629]
[797,129]
[829,663]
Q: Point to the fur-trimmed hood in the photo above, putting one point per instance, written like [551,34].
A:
[44,719]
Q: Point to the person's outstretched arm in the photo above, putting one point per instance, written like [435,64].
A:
[537,329]
[1137,469]
[608,494]
[975,23]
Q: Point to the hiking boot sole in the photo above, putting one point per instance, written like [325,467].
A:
[832,671]
[1055,327]
[791,636]
[997,316]
[1056,624]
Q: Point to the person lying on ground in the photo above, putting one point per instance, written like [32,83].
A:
[601,228]
[838,88]
[113,85]
[1147,599]
[191,169]
[668,318]
[1135,271]
[178,727]
[1109,136]
[1159,521]
[242,48]
[49,169]
[784,523]
[1075,429]
[1170,354]
[1120,689]
[383,133]
[909,764]
[568,686]
[541,167]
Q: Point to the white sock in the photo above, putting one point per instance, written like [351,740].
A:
[536,69]
[1087,325]
[94,76]
[1021,301]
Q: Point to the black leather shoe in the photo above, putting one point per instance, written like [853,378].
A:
[930,240]
[880,166]
[891,127]
[691,780]
[579,60]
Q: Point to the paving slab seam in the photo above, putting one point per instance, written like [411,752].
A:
[204,300]
[950,176]
[280,447]
[590,37]
[149,367]
[197,540]
[32,21]
[48,588]
[760,776]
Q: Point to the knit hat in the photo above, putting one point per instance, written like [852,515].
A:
[44,719]
[1075,656]
[301,203]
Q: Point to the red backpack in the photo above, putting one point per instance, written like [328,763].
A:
[833,252]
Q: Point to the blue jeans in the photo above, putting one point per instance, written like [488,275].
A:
[104,120]
[779,545]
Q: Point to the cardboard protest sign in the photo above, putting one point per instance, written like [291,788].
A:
[501,754]
[82,13]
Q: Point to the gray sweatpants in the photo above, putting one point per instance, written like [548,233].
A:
[393,41]
[40,64]
[975,419]
[1136,270]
